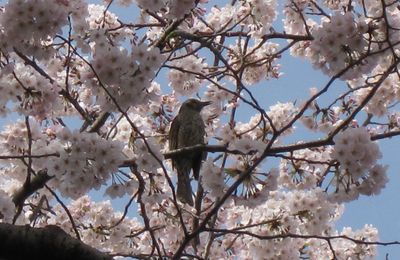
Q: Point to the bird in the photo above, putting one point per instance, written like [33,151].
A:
[187,129]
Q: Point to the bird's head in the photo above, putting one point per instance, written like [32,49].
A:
[194,104]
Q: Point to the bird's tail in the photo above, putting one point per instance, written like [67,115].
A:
[184,189]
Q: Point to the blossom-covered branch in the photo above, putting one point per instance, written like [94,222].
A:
[89,95]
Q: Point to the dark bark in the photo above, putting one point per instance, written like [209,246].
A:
[51,242]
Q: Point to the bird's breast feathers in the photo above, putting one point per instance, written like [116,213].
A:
[191,132]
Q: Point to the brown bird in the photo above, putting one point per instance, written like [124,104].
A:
[187,129]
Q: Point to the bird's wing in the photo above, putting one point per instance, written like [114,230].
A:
[199,157]
[173,136]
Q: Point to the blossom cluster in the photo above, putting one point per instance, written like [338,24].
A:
[343,42]
[263,13]
[294,22]
[387,94]
[295,212]
[220,17]
[384,18]
[30,25]
[85,161]
[100,226]
[355,151]
[213,178]
[281,114]
[220,100]
[125,77]
[250,136]
[304,168]
[183,77]
[338,43]
[259,63]
[32,94]
[256,16]
[358,156]
[176,8]
[343,248]
[14,141]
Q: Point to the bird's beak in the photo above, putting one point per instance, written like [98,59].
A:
[205,103]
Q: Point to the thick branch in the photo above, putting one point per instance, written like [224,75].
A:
[272,150]
[200,147]
[51,242]
[290,235]
[29,188]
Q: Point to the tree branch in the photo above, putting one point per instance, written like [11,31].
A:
[50,242]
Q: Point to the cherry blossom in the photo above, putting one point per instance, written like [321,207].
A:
[88,95]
